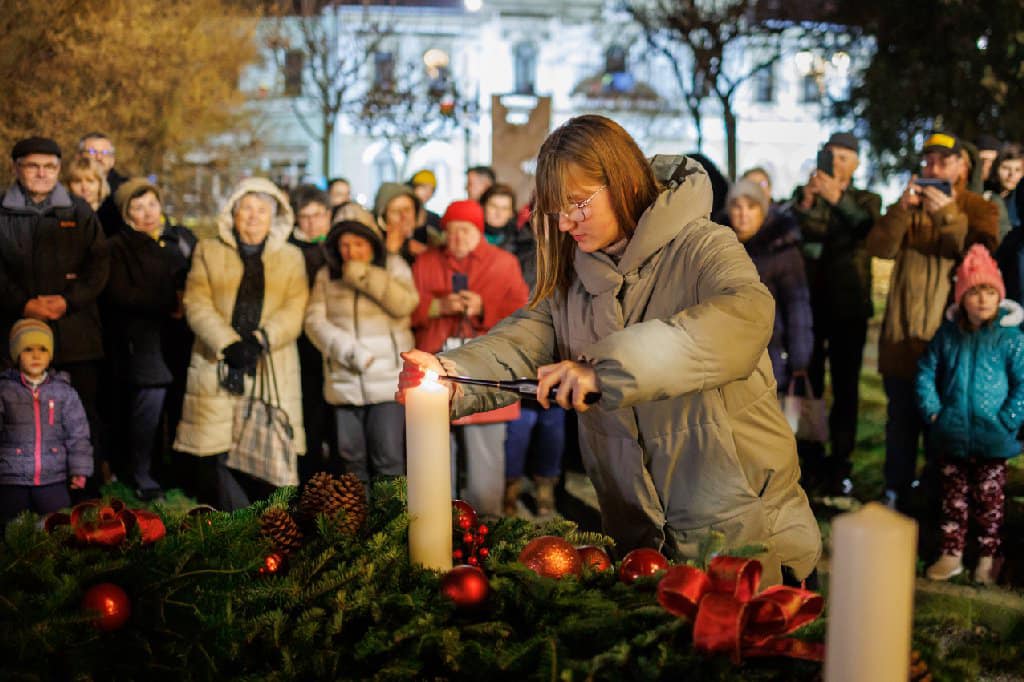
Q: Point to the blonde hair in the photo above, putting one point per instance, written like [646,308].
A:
[592,148]
[83,168]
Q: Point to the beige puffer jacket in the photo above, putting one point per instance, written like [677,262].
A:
[360,320]
[210,290]
[688,436]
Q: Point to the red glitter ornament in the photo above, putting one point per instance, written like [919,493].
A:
[110,603]
[641,563]
[466,586]
[463,510]
[594,558]
[551,557]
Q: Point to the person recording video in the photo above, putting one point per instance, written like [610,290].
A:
[926,232]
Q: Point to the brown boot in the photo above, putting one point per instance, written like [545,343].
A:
[513,486]
[544,493]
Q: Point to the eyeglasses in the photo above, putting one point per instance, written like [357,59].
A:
[46,168]
[92,151]
[312,215]
[580,210]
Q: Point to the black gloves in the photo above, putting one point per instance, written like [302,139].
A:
[243,354]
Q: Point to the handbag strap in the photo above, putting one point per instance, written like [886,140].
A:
[275,397]
[808,389]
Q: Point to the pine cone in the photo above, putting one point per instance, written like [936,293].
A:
[316,495]
[327,495]
[918,668]
[279,526]
[353,501]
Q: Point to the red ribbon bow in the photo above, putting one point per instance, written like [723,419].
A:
[95,523]
[729,618]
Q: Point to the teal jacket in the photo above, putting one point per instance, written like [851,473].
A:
[973,383]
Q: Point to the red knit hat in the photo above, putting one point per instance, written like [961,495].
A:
[467,210]
[978,267]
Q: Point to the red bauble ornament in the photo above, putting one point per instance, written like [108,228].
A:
[466,586]
[551,557]
[483,552]
[467,539]
[594,558]
[463,510]
[110,604]
[271,564]
[641,563]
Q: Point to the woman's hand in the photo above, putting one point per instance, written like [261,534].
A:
[77,482]
[574,381]
[416,363]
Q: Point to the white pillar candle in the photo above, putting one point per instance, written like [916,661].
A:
[870,596]
[428,467]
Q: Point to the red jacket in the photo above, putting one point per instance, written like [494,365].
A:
[493,273]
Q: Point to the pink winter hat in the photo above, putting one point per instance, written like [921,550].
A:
[978,267]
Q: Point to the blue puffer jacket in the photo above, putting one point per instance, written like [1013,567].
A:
[974,382]
[44,435]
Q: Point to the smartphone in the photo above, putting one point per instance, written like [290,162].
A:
[825,162]
[942,185]
[460,282]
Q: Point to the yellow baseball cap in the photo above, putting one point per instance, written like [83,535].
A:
[424,177]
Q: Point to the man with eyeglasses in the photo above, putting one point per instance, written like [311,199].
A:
[53,265]
[99,148]
[926,232]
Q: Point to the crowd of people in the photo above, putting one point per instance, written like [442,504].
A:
[132,345]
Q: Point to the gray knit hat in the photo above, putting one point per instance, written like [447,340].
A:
[751,190]
[388,191]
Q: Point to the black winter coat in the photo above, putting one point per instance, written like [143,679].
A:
[141,295]
[775,250]
[520,243]
[313,253]
[835,251]
[59,250]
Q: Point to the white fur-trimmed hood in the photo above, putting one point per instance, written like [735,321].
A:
[1013,318]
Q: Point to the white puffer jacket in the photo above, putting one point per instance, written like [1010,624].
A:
[360,323]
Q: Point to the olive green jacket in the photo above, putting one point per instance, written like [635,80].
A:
[835,255]
[688,436]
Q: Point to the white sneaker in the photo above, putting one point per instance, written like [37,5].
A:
[984,572]
[948,566]
[889,500]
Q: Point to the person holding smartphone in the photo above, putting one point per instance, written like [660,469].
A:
[834,218]
[465,288]
[926,232]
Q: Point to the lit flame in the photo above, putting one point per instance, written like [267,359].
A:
[429,375]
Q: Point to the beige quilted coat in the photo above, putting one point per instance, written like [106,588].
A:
[205,427]
[688,437]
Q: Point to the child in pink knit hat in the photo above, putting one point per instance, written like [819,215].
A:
[970,390]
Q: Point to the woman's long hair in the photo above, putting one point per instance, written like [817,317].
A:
[586,148]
